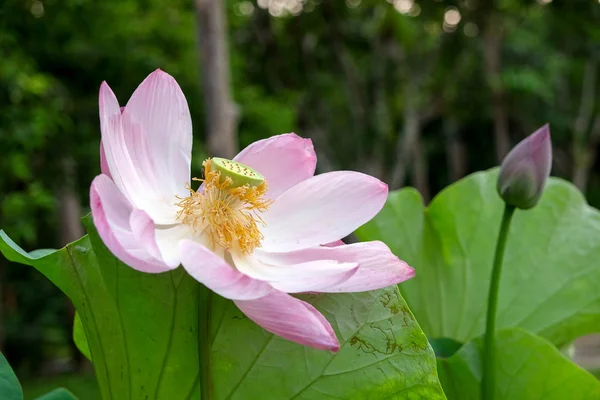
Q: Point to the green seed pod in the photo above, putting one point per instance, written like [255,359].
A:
[239,173]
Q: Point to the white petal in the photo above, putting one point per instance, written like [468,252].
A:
[168,240]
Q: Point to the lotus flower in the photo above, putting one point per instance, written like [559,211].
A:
[259,227]
[525,170]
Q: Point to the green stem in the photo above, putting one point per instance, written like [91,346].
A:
[204,342]
[489,352]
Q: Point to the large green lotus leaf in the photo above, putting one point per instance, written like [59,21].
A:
[551,271]
[384,354]
[10,388]
[79,337]
[528,367]
[141,331]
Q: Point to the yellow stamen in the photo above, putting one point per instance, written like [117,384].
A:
[229,214]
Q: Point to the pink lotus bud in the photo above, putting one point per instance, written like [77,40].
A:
[525,169]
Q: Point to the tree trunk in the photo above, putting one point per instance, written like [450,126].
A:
[70,230]
[421,170]
[381,121]
[354,86]
[492,41]
[455,150]
[411,130]
[221,115]
[584,148]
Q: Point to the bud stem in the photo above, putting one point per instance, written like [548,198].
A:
[489,351]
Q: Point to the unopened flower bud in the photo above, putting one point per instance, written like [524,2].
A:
[525,170]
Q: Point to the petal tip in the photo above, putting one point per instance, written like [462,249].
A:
[381,187]
[307,142]
[334,347]
[159,74]
[104,89]
[543,133]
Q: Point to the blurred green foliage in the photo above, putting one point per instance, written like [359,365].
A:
[349,74]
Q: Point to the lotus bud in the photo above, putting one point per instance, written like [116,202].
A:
[525,170]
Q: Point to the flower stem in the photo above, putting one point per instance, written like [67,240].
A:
[204,342]
[489,352]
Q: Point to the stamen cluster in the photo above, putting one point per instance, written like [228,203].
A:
[230,216]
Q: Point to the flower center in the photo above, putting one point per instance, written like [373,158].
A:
[228,208]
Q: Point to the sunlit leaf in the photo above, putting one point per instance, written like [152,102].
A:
[551,268]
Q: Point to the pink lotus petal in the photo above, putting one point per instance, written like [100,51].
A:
[103,163]
[160,109]
[112,138]
[300,277]
[335,243]
[292,319]
[147,147]
[127,159]
[107,104]
[212,271]
[377,266]
[142,228]
[283,160]
[322,209]
[111,213]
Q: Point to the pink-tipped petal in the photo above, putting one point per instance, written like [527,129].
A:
[107,104]
[143,230]
[378,267]
[283,160]
[296,278]
[213,272]
[292,319]
[147,146]
[103,163]
[322,209]
[335,243]
[128,161]
[111,213]
[160,109]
